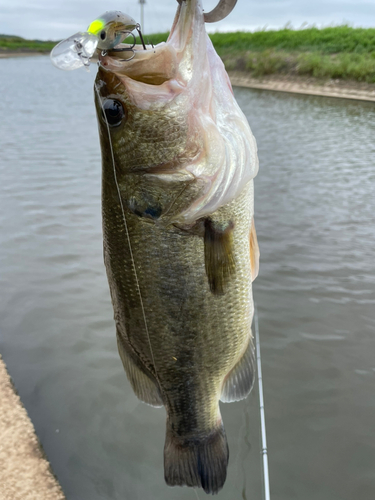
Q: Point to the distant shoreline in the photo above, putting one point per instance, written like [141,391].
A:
[7,55]
[308,86]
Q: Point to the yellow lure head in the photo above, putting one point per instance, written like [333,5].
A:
[111,28]
[96,26]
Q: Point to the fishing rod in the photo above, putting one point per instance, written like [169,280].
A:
[266,480]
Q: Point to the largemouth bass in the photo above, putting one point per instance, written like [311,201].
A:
[180,246]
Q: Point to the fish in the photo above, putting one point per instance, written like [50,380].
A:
[180,245]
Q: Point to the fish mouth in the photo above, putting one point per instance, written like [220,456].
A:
[153,66]
[158,64]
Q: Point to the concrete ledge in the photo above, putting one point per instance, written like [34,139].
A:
[295,87]
[25,474]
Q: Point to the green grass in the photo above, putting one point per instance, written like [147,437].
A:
[339,52]
[10,43]
[326,40]
[330,53]
[344,65]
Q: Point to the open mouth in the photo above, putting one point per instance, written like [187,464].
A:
[153,66]
[157,64]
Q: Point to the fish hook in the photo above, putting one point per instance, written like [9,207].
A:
[124,49]
[220,12]
[128,49]
[138,28]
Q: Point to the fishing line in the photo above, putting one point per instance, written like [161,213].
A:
[127,233]
[266,480]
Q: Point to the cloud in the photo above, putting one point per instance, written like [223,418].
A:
[56,19]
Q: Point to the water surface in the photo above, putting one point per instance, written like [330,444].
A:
[315,293]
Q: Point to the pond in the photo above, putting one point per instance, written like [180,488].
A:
[314,213]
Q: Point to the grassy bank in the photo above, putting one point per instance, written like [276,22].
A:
[9,44]
[330,53]
[340,52]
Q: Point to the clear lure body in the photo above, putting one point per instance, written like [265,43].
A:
[103,34]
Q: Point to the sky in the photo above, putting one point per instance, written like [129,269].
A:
[57,19]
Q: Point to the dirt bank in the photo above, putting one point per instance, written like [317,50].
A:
[25,474]
[332,88]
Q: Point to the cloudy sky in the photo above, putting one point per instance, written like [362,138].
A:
[56,19]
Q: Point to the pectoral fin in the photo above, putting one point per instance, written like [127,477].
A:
[254,252]
[239,381]
[218,254]
[144,386]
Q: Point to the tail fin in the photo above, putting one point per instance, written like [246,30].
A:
[201,462]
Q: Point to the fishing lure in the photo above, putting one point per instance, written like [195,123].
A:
[104,34]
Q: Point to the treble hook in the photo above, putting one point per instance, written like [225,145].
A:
[129,49]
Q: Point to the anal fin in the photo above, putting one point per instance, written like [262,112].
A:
[218,254]
[240,380]
[145,386]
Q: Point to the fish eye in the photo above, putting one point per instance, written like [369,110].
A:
[103,35]
[113,112]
